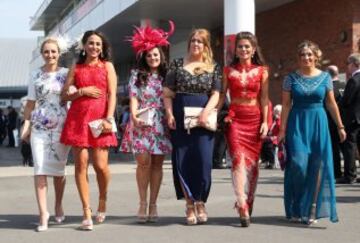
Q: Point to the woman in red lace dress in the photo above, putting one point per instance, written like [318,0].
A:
[91,86]
[247,80]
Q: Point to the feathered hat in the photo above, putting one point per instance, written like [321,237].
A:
[146,38]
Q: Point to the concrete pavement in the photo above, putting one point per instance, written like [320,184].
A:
[18,210]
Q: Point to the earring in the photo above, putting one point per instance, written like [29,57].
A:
[83,53]
[101,55]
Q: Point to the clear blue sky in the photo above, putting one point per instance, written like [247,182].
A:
[15,17]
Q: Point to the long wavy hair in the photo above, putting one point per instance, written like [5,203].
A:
[144,70]
[207,55]
[257,58]
[106,49]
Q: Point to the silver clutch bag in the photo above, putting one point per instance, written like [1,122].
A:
[96,128]
[147,115]
[191,118]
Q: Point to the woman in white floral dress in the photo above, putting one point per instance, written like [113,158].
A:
[149,143]
[44,117]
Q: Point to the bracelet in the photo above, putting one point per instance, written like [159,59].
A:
[341,128]
[110,119]
[80,91]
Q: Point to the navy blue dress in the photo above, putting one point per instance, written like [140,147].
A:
[192,153]
[309,186]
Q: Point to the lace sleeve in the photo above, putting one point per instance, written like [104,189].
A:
[170,79]
[287,83]
[216,84]
[133,89]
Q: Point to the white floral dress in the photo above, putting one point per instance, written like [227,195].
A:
[47,121]
[155,139]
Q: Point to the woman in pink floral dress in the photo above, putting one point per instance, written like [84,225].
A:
[149,142]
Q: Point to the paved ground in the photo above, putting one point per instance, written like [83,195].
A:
[18,211]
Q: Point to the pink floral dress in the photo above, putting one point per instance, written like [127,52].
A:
[154,139]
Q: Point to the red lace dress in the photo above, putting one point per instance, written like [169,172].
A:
[243,135]
[85,109]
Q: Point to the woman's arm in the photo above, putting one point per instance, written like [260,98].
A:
[168,95]
[211,104]
[134,109]
[26,128]
[335,114]
[264,103]
[286,106]
[70,93]
[112,87]
[111,96]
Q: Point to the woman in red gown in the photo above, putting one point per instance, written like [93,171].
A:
[91,86]
[247,80]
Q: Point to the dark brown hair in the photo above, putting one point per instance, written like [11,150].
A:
[257,58]
[106,50]
[144,69]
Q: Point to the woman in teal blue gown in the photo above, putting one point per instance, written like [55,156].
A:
[309,185]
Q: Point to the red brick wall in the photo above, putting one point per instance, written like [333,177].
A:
[280,30]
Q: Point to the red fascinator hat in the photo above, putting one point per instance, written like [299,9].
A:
[146,38]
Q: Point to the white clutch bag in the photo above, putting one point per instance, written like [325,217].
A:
[147,115]
[191,118]
[96,128]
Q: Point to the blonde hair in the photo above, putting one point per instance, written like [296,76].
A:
[50,40]
[314,48]
[207,55]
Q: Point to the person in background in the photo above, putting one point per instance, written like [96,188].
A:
[2,127]
[220,146]
[91,86]
[12,117]
[150,144]
[337,147]
[309,184]
[44,117]
[350,107]
[271,141]
[247,80]
[193,81]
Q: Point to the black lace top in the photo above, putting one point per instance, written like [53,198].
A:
[180,80]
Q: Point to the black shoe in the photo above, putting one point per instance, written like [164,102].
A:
[269,166]
[358,180]
[345,180]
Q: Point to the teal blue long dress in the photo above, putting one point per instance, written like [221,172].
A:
[309,185]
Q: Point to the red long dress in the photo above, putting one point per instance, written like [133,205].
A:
[85,109]
[243,135]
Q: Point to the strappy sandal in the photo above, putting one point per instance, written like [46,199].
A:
[141,215]
[190,214]
[59,218]
[87,224]
[100,216]
[153,215]
[202,216]
[312,219]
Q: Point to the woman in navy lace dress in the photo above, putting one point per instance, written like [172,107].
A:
[192,81]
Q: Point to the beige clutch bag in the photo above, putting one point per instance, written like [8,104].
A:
[147,115]
[96,128]
[191,118]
